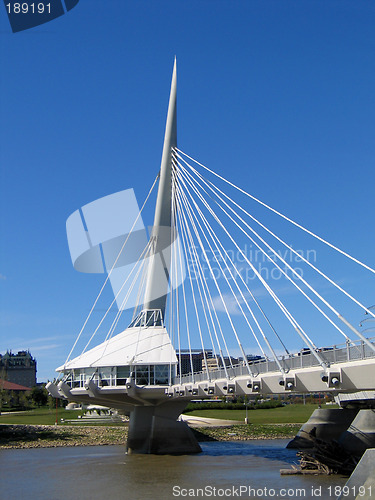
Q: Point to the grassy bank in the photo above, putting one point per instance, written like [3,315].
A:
[39,416]
[289,414]
[245,432]
[48,436]
[46,416]
[35,428]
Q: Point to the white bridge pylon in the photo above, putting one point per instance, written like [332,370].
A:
[209,320]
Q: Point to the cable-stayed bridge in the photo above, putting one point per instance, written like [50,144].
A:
[196,284]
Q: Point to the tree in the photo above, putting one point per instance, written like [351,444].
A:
[39,395]
[3,392]
[24,400]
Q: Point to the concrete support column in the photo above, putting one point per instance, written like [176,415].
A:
[155,429]
[329,424]
[362,476]
[361,433]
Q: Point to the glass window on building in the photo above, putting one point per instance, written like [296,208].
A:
[161,374]
[142,375]
[123,372]
[76,378]
[105,376]
[89,373]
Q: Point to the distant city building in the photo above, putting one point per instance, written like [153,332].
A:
[200,359]
[254,357]
[211,364]
[18,368]
[217,362]
[194,357]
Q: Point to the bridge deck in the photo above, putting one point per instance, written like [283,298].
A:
[303,359]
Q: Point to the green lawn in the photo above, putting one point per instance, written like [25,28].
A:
[46,416]
[289,414]
[39,416]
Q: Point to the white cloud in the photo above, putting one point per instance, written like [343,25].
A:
[36,345]
[230,303]
[45,339]
[46,347]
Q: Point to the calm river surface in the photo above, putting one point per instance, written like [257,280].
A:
[106,472]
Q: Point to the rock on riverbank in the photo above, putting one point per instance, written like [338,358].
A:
[47,436]
[245,432]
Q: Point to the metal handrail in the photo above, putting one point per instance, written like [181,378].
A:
[302,359]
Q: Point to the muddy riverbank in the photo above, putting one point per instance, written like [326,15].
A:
[48,436]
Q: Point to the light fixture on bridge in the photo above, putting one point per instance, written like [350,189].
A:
[332,379]
[288,383]
[249,384]
[231,388]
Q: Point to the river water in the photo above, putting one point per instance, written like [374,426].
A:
[248,469]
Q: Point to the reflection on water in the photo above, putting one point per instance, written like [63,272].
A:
[108,473]
[271,449]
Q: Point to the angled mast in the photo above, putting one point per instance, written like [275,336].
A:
[161,236]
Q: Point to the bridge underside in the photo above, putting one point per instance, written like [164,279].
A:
[154,426]
[346,377]
[154,410]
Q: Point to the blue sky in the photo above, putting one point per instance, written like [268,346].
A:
[277,96]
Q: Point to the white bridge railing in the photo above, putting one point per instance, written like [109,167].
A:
[303,359]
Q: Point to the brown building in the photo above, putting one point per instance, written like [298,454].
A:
[216,362]
[18,368]
[11,386]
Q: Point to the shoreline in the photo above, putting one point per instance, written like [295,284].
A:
[21,436]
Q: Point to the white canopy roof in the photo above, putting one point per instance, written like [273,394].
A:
[134,346]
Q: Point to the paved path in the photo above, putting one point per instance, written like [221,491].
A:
[194,421]
[13,412]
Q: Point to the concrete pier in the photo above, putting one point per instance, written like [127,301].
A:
[361,484]
[361,433]
[329,424]
[155,429]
